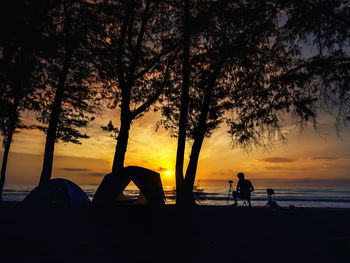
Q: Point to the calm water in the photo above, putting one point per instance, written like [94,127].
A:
[300,197]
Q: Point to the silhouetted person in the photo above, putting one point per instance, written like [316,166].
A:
[244,188]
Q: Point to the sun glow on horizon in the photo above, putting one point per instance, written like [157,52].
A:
[168,178]
[304,157]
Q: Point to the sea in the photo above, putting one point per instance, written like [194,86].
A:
[321,197]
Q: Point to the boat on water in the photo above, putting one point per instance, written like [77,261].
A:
[197,189]
[198,192]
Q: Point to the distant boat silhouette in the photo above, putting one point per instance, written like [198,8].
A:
[198,192]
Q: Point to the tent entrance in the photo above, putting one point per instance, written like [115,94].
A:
[132,195]
[148,182]
[131,191]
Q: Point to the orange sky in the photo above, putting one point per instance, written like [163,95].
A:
[306,155]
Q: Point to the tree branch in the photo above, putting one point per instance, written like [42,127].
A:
[120,70]
[157,59]
[155,96]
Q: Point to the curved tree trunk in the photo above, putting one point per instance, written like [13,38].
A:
[181,142]
[7,143]
[198,141]
[106,193]
[4,163]
[122,143]
[191,170]
[54,119]
[194,157]
[50,141]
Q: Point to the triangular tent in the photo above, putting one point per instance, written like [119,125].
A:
[57,191]
[146,180]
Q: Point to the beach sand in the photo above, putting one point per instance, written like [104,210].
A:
[203,234]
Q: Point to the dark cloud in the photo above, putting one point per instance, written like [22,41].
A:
[161,169]
[82,171]
[276,160]
[227,172]
[326,158]
[74,169]
[287,168]
[273,168]
[95,174]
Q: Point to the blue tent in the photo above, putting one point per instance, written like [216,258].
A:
[57,191]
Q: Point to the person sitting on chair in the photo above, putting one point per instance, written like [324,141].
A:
[244,188]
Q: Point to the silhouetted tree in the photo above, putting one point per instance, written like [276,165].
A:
[322,27]
[21,24]
[138,54]
[247,70]
[186,69]
[190,17]
[219,50]
[70,97]
[315,78]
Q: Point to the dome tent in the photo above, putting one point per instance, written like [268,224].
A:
[57,191]
[147,181]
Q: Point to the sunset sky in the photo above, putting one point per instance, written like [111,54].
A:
[307,158]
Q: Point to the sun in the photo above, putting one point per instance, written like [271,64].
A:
[168,172]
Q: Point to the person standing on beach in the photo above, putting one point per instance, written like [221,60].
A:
[244,188]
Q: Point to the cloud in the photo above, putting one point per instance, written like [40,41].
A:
[326,158]
[227,172]
[276,160]
[95,174]
[274,168]
[74,169]
[82,171]
[287,168]
[161,169]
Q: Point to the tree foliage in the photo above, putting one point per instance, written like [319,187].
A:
[322,31]
[70,97]
[246,64]
[20,25]
[249,69]
[69,41]
[135,62]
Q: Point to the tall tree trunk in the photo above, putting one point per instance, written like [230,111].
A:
[4,162]
[54,119]
[125,123]
[191,170]
[7,143]
[181,142]
[198,141]
[122,143]
[106,192]
[56,109]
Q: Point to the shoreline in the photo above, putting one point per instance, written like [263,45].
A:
[299,197]
[19,204]
[203,234]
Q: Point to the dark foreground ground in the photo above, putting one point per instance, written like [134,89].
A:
[204,234]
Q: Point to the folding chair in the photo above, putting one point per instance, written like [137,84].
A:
[245,202]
